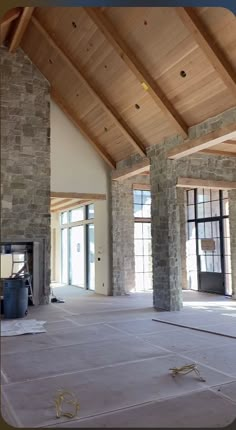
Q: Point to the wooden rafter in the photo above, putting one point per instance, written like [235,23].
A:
[208,46]
[203,142]
[71,205]
[59,202]
[10,16]
[83,129]
[138,69]
[128,172]
[218,152]
[75,195]
[21,28]
[96,93]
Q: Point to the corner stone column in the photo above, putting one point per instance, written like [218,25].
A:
[232,222]
[166,234]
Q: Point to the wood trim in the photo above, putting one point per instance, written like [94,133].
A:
[203,142]
[208,46]
[74,195]
[138,69]
[21,28]
[143,220]
[70,205]
[10,16]
[143,187]
[218,152]
[205,183]
[82,128]
[128,172]
[96,93]
[60,202]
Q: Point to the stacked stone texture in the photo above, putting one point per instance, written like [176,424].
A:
[123,234]
[25,157]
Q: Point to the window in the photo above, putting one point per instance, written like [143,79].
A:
[142,204]
[77,214]
[90,211]
[64,217]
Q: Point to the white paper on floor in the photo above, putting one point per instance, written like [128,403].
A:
[17,327]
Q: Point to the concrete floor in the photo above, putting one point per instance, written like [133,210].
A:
[116,360]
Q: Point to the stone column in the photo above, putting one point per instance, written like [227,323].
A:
[166,242]
[232,221]
[183,235]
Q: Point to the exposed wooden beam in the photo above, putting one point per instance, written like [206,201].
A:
[205,183]
[138,69]
[204,142]
[128,172]
[59,202]
[10,16]
[96,93]
[218,152]
[143,187]
[75,195]
[21,28]
[208,45]
[230,142]
[83,129]
[73,204]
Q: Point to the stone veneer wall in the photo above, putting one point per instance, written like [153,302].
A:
[123,233]
[25,158]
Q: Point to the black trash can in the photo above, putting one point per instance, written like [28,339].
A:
[15,298]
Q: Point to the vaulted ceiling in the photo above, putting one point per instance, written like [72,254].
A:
[128,77]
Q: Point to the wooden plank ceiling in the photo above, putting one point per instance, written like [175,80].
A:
[128,77]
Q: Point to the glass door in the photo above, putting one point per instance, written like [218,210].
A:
[91,257]
[77,256]
[64,256]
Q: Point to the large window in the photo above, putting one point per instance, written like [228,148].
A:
[77,247]
[142,240]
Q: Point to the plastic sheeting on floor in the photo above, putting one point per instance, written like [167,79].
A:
[18,327]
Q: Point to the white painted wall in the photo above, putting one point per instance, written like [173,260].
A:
[76,167]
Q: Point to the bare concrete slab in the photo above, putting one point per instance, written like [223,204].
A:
[107,389]
[204,409]
[228,390]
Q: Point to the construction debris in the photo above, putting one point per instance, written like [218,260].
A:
[69,399]
[187,368]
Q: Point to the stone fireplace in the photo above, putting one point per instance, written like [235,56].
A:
[25,163]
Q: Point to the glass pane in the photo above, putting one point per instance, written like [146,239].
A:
[147,211]
[217,263]
[91,211]
[139,282]
[147,264]
[147,248]
[208,230]
[215,229]
[138,247]
[209,263]
[191,230]
[215,207]
[215,195]
[91,257]
[225,194]
[207,210]
[146,197]
[225,207]
[147,281]
[207,195]
[200,195]
[138,197]
[203,263]
[147,230]
[77,256]
[77,214]
[200,210]
[191,263]
[226,228]
[191,212]
[191,247]
[201,230]
[138,264]
[64,218]
[64,256]
[190,195]
[138,213]
[138,231]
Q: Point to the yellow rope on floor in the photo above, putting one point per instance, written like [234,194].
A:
[187,368]
[68,398]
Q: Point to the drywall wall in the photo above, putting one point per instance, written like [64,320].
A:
[76,167]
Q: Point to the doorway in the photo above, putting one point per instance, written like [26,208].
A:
[208,241]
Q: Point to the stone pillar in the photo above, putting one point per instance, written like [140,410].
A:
[122,238]
[183,235]
[166,244]
[232,221]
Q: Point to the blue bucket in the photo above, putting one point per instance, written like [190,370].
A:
[15,298]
